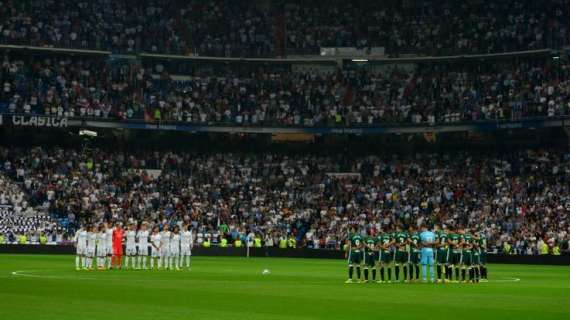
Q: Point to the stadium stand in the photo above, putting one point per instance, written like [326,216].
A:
[429,93]
[258,28]
[519,198]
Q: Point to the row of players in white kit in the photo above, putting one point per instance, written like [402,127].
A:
[168,249]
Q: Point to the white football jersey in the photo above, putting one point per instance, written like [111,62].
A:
[186,238]
[165,238]
[81,238]
[109,233]
[142,237]
[175,241]
[91,239]
[131,236]
[102,239]
[155,239]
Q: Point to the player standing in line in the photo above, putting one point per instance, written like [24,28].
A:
[131,246]
[401,254]
[142,245]
[155,248]
[109,232]
[164,260]
[415,250]
[467,258]
[454,260]
[175,249]
[101,247]
[91,246]
[186,241]
[442,253]
[476,266]
[428,241]
[482,244]
[370,258]
[80,241]
[354,256]
[385,242]
[118,235]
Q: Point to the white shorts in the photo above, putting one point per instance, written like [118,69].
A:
[155,252]
[143,249]
[81,251]
[102,251]
[174,252]
[164,252]
[185,251]
[110,249]
[90,251]
[131,251]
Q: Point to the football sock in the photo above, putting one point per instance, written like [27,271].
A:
[382,273]
[366,274]
[424,272]
[484,272]
[418,271]
[358,272]
[439,271]
[477,274]
[374,274]
[463,274]
[456,273]
[406,272]
[77,261]
[152,263]
[411,273]
[188,261]
[350,271]
[431,272]
[389,274]
[397,273]
[471,274]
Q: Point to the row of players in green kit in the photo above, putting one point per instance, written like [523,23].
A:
[458,253]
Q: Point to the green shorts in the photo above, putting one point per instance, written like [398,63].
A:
[483,258]
[401,257]
[467,258]
[441,256]
[386,257]
[476,258]
[415,257]
[370,258]
[355,257]
[454,258]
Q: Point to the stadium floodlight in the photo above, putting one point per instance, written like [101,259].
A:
[555,57]
[88,133]
[359,60]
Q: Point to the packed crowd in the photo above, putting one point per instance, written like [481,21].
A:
[429,27]
[429,94]
[248,28]
[220,28]
[519,200]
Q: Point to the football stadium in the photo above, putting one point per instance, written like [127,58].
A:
[284,159]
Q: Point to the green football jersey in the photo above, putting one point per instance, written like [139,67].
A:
[468,242]
[482,242]
[384,239]
[356,241]
[401,237]
[371,243]
[442,240]
[454,239]
[415,239]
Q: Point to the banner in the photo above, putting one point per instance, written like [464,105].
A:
[33,121]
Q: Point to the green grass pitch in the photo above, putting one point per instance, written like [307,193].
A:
[48,287]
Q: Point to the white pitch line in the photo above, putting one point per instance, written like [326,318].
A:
[28,274]
[507,280]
